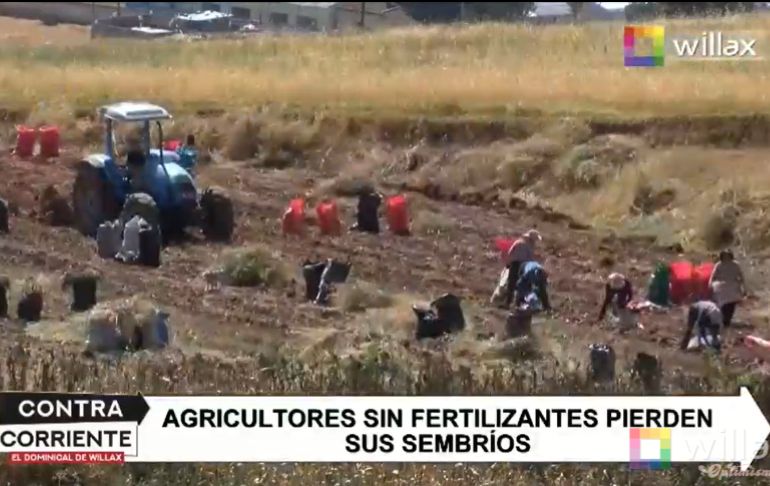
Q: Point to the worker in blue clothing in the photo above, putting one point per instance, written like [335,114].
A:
[188,154]
[704,325]
[532,279]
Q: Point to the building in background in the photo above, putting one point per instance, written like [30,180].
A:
[561,12]
[307,16]
[302,16]
[551,13]
[82,13]
[593,11]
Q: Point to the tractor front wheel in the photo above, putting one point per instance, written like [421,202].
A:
[217,218]
[92,199]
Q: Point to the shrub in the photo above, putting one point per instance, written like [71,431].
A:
[255,266]
[360,296]
[346,186]
[431,222]
[520,171]
[243,139]
[588,165]
[718,229]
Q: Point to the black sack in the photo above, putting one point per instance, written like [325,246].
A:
[311,272]
[336,272]
[3,302]
[30,307]
[448,317]
[4,227]
[449,310]
[149,246]
[428,324]
[368,219]
[648,369]
[602,358]
[83,293]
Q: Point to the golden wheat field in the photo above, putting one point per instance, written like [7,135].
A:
[493,68]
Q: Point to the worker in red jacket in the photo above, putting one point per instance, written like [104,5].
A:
[522,250]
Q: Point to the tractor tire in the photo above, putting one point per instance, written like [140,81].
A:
[92,200]
[141,204]
[217,218]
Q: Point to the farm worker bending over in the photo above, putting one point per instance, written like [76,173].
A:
[522,250]
[727,285]
[618,292]
[704,324]
[532,278]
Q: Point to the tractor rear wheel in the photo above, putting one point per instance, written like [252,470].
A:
[218,220]
[92,199]
[143,205]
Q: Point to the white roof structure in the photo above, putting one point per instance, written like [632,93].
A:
[130,111]
[151,30]
[314,4]
[204,16]
[551,9]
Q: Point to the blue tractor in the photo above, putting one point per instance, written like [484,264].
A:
[153,183]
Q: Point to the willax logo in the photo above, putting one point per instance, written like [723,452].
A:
[634,39]
[650,448]
[648,46]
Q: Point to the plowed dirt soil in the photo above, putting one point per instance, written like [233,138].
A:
[238,320]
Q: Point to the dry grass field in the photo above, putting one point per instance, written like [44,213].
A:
[493,69]
[485,72]
[490,129]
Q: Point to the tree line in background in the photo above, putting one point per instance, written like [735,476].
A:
[648,10]
[445,12]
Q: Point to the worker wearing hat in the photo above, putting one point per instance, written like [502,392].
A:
[618,292]
[522,250]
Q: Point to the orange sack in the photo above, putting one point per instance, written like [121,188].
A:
[26,137]
[49,141]
[293,222]
[701,276]
[328,218]
[398,214]
[681,280]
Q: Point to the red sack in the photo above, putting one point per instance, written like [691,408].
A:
[681,281]
[328,218]
[49,141]
[701,276]
[503,245]
[172,145]
[293,221]
[25,141]
[397,214]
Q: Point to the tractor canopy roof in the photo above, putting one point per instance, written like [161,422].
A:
[133,111]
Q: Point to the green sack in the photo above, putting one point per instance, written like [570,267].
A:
[658,290]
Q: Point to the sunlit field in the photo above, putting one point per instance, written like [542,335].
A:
[496,69]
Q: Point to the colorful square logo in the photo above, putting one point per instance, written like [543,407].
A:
[650,449]
[634,38]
